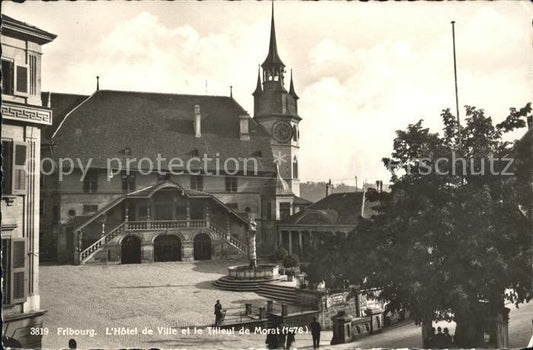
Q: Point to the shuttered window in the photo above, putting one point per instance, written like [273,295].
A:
[14,271]
[14,156]
[18,270]
[19,168]
[6,268]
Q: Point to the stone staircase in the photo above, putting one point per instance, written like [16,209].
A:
[239,285]
[95,248]
[278,292]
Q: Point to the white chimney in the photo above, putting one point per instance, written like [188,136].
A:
[197,121]
[244,127]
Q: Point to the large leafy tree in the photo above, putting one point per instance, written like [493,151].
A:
[451,240]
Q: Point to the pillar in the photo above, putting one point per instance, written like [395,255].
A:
[126,218]
[301,245]
[149,215]
[206,208]
[262,313]
[270,306]
[290,241]
[188,250]
[284,310]
[147,252]
[188,212]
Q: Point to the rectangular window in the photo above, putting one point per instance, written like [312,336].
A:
[14,166]
[284,210]
[90,182]
[128,183]
[231,184]
[197,182]
[8,75]
[14,271]
[22,79]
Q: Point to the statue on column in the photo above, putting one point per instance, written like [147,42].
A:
[252,254]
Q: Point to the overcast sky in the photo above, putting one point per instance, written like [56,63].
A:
[362,70]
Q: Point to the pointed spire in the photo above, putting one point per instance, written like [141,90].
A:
[292,92]
[273,56]
[258,88]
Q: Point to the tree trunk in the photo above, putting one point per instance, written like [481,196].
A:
[469,330]
[427,331]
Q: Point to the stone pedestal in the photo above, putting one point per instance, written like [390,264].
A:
[342,328]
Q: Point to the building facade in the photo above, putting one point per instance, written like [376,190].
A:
[336,214]
[108,146]
[23,117]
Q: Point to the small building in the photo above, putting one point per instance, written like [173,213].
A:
[23,117]
[335,214]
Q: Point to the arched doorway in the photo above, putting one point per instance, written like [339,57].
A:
[202,247]
[130,250]
[167,248]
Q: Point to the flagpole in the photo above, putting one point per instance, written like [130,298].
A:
[456,93]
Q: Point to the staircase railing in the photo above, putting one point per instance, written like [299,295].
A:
[241,246]
[157,225]
[87,252]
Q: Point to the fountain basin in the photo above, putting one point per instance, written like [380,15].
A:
[262,272]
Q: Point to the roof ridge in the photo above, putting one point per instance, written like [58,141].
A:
[163,93]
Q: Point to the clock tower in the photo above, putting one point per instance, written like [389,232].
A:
[276,109]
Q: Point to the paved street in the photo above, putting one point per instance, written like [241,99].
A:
[176,297]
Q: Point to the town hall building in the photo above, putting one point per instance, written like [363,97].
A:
[219,175]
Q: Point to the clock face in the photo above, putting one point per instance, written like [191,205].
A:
[282,132]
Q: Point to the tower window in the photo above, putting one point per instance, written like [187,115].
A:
[295,168]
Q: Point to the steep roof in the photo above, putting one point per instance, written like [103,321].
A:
[61,104]
[273,56]
[336,209]
[122,124]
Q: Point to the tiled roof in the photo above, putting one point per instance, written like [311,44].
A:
[121,124]
[337,208]
[61,104]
